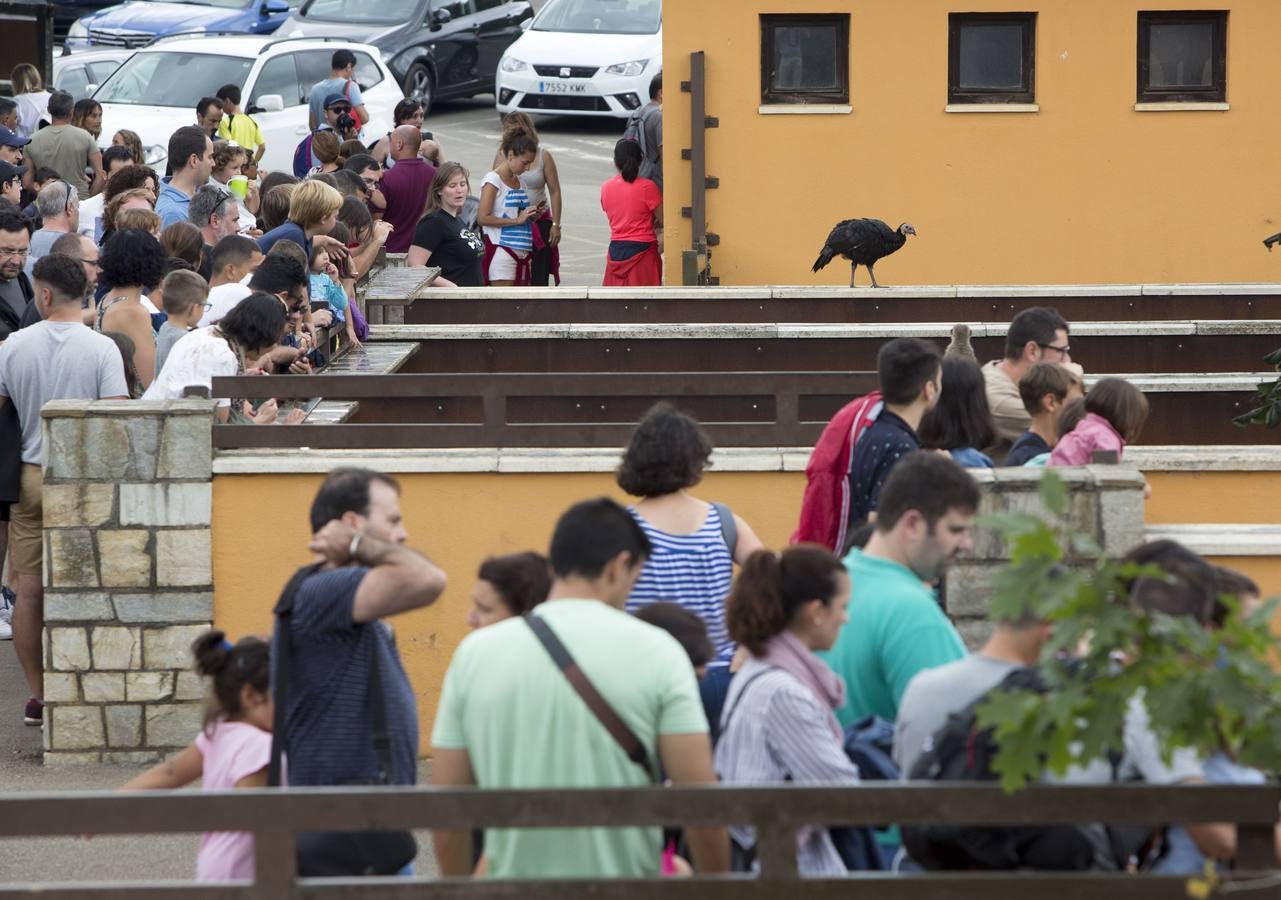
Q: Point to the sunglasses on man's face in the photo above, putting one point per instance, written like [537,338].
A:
[340,109]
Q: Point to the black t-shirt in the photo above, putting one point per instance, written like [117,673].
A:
[1028,445]
[457,251]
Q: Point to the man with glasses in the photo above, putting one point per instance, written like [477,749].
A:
[59,208]
[371,175]
[1038,334]
[84,251]
[15,286]
[217,214]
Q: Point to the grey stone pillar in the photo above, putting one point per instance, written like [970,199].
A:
[1105,504]
[128,576]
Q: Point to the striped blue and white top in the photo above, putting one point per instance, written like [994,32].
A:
[507,205]
[694,570]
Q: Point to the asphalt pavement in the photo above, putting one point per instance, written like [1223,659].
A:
[583,148]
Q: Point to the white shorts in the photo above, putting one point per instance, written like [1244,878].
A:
[503,267]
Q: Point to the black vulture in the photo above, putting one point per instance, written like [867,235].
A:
[862,242]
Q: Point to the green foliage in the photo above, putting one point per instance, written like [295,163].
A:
[1210,690]
[1268,412]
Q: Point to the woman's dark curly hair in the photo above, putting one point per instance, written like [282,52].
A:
[255,323]
[133,258]
[668,451]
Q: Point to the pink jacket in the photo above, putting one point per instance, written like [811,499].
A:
[1092,433]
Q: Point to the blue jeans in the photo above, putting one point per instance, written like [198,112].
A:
[713,689]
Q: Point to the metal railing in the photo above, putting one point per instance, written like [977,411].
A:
[776,813]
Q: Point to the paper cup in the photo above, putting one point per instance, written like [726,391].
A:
[239,185]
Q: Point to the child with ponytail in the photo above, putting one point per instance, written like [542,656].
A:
[779,723]
[233,749]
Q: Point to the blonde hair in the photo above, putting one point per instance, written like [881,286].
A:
[312,202]
[26,79]
[142,219]
[131,140]
[112,209]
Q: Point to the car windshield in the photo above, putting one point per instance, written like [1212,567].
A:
[607,16]
[171,79]
[362,10]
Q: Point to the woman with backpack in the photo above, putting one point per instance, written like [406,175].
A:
[779,723]
[694,543]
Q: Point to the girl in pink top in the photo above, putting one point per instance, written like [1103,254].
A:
[1115,411]
[233,750]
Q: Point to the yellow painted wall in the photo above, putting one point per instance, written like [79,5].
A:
[260,535]
[1086,191]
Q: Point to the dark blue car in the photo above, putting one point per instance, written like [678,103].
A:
[139,22]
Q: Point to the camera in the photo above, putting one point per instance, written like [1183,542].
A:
[346,122]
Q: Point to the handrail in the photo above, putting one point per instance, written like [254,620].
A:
[776,812]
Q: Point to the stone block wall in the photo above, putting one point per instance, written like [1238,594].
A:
[128,576]
[1105,504]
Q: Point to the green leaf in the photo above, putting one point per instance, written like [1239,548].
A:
[1054,493]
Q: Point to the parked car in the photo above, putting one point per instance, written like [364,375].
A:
[156,90]
[75,73]
[137,23]
[67,12]
[584,58]
[437,49]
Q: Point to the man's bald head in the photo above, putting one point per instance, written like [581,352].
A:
[405,141]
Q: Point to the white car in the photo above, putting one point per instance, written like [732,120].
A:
[583,58]
[74,73]
[155,92]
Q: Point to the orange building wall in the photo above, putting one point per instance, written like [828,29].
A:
[1086,191]
[260,535]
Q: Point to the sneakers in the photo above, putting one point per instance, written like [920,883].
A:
[34,713]
[6,613]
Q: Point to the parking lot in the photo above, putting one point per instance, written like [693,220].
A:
[583,149]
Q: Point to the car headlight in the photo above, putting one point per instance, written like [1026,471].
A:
[155,154]
[628,69]
[78,29]
[512,64]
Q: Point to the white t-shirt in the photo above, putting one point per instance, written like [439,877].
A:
[91,210]
[222,300]
[196,359]
[31,109]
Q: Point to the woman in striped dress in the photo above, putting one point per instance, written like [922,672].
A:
[692,562]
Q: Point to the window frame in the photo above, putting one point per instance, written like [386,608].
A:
[1218,92]
[772,97]
[1025,94]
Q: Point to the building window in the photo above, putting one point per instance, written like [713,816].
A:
[805,59]
[1183,57]
[991,58]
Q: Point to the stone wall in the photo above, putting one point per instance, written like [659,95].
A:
[1105,504]
[128,576]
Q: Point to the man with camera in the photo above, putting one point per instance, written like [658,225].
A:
[338,118]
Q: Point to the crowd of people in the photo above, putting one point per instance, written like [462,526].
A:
[631,653]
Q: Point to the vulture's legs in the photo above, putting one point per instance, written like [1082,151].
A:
[853,271]
[873,274]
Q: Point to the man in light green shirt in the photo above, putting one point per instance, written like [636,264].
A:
[895,626]
[508,718]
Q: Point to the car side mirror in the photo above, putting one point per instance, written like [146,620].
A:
[525,23]
[271,103]
[441,17]
[274,7]
[89,89]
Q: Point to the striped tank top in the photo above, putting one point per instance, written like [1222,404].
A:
[694,570]
[518,237]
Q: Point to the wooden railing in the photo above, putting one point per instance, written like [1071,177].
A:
[600,409]
[776,813]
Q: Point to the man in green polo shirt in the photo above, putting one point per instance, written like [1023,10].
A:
[895,626]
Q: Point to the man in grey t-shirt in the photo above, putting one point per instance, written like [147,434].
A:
[59,208]
[56,359]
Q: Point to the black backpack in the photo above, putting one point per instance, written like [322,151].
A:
[960,751]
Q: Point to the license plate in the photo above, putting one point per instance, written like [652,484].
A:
[562,87]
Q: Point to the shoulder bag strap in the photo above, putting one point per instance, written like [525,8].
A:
[729,528]
[283,653]
[616,727]
[725,719]
[378,708]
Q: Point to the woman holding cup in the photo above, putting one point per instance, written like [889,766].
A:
[229,160]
